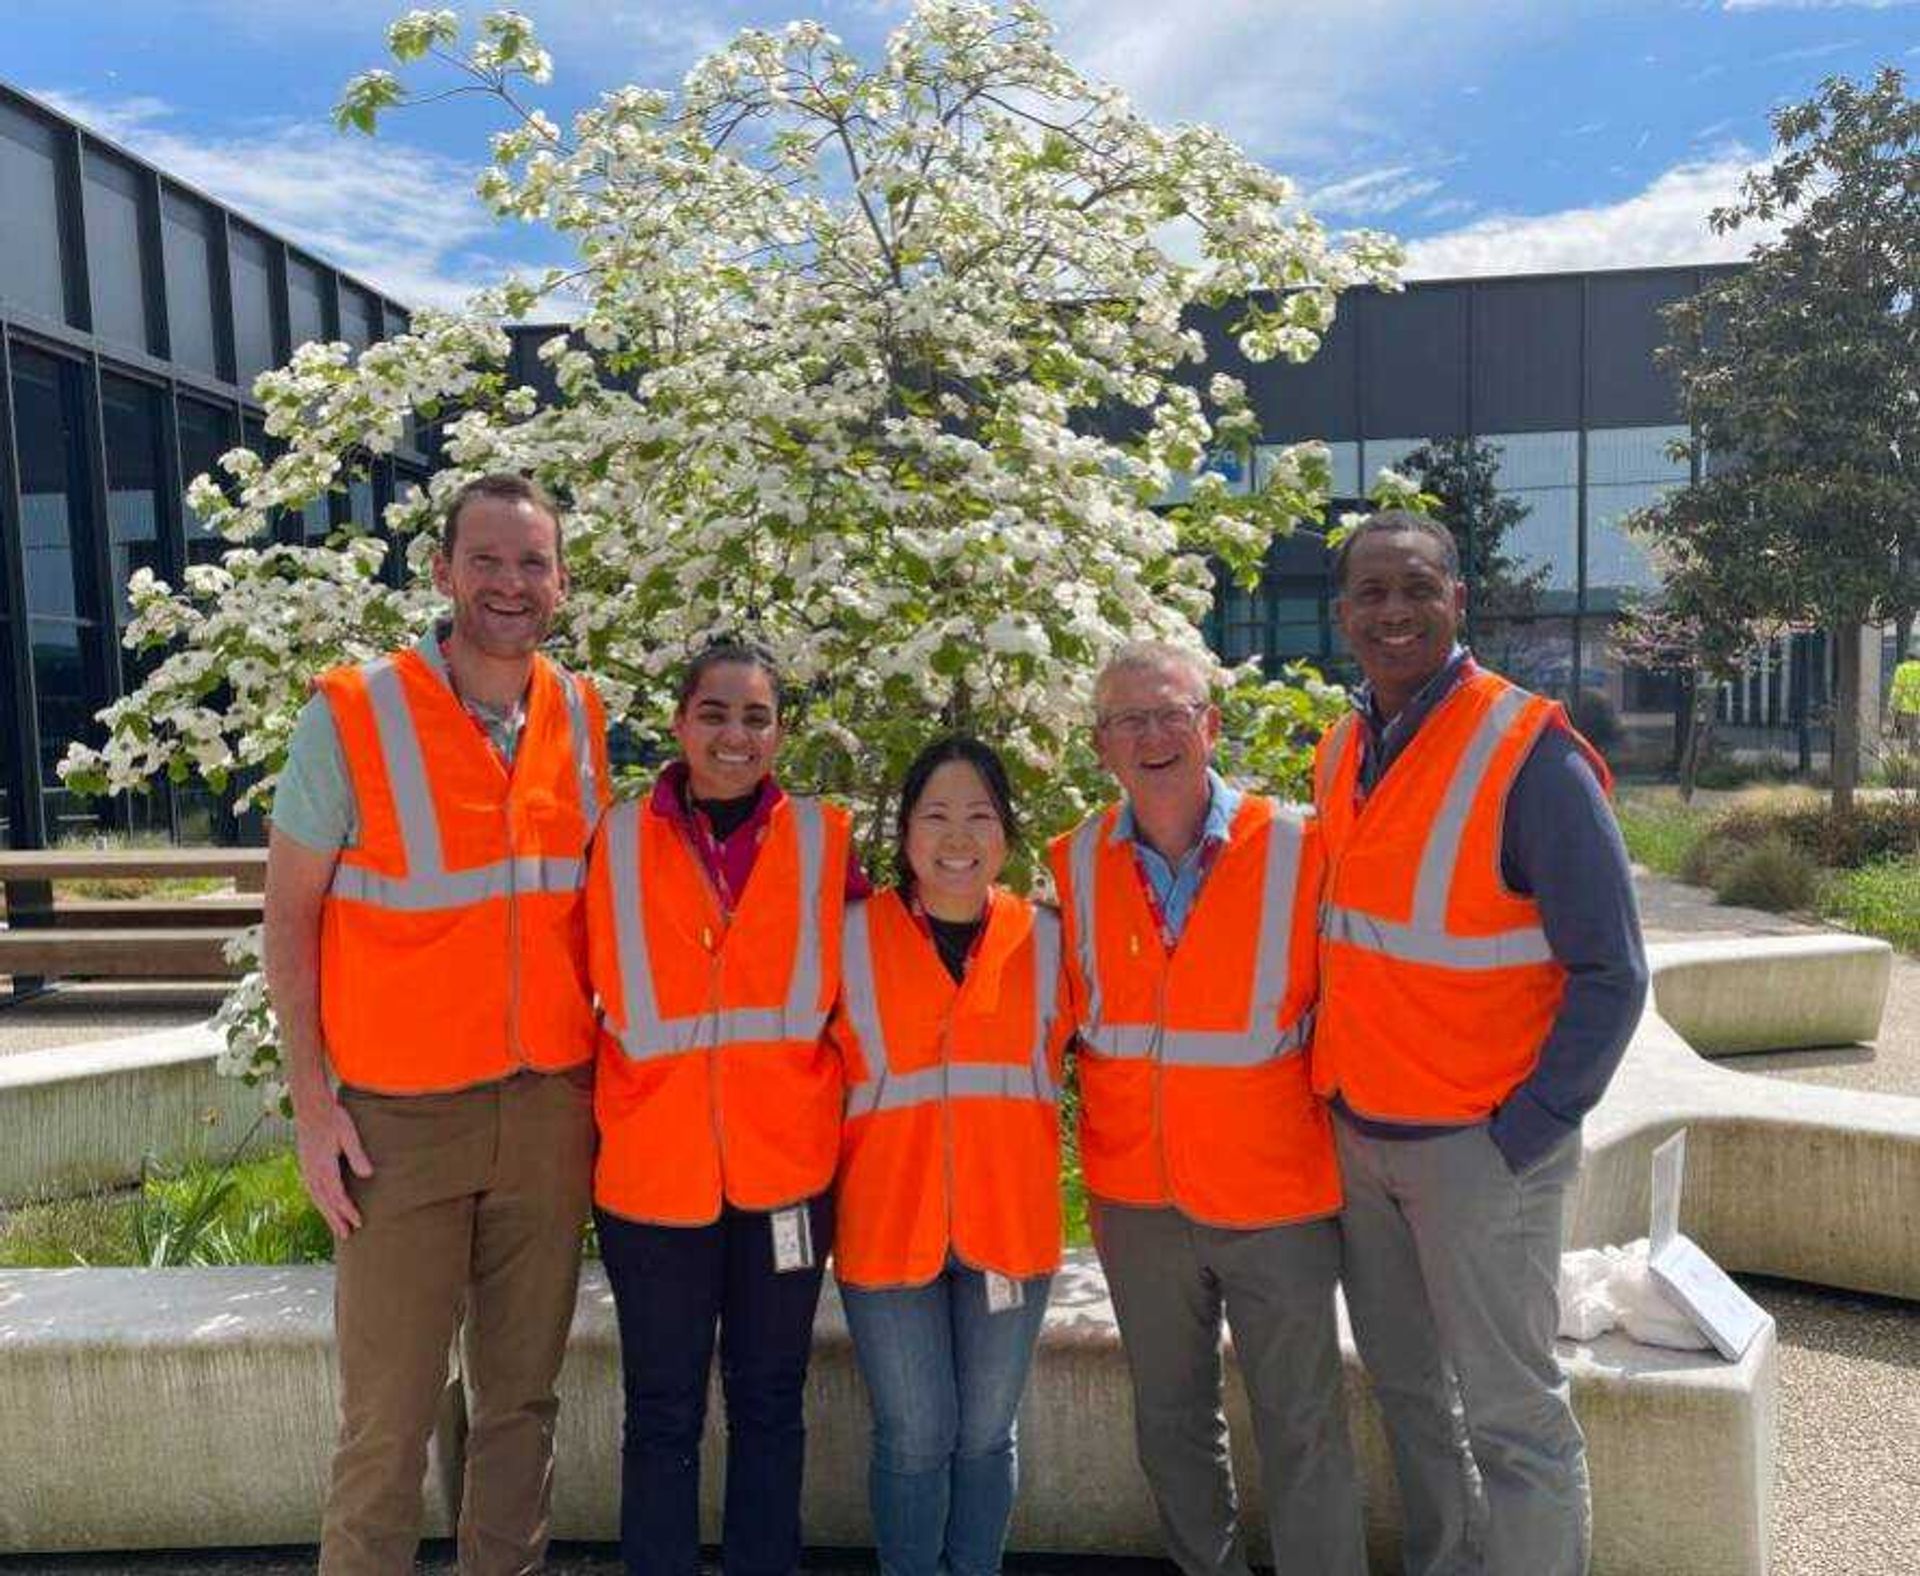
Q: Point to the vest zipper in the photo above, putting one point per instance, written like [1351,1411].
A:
[946,1113]
[716,1110]
[1160,1075]
[514,1047]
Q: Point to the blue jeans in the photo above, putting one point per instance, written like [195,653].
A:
[671,1286]
[945,1377]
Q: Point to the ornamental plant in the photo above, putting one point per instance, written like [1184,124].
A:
[883,364]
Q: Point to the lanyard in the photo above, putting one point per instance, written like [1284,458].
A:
[1209,855]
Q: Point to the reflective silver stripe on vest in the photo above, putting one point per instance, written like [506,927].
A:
[646,1032]
[406,766]
[1046,997]
[886,1090]
[574,688]
[1425,938]
[1329,764]
[1194,1047]
[1246,1045]
[428,884]
[457,888]
[1083,860]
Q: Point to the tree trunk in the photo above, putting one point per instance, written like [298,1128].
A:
[1844,758]
[1700,717]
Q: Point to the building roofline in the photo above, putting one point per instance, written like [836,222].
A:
[31,105]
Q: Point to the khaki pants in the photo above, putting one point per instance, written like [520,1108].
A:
[472,1224]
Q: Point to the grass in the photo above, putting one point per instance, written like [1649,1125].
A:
[1659,832]
[1881,899]
[251,1212]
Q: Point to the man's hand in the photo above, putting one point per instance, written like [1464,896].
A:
[325,1136]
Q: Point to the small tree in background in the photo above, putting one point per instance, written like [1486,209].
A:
[1801,377]
[1462,476]
[845,338]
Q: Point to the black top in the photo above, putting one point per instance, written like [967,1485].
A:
[953,939]
[727,816]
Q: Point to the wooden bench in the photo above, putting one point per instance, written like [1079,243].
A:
[133,938]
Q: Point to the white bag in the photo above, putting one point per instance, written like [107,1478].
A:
[1601,1288]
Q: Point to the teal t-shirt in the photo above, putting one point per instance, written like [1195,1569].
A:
[313,801]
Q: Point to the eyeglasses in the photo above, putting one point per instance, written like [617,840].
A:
[1135,723]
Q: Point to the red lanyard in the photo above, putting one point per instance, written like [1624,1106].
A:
[1209,853]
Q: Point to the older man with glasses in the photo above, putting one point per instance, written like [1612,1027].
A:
[1189,912]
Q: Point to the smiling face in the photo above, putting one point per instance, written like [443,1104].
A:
[956,843]
[729,730]
[503,575]
[1400,610]
[1155,730]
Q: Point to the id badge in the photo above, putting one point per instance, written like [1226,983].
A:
[792,1239]
[1003,1292]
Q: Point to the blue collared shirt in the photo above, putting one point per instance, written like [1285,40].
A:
[1176,884]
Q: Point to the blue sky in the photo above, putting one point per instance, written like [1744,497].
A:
[1495,136]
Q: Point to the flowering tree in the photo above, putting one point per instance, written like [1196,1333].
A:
[883,366]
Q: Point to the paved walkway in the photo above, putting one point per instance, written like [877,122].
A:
[1848,1496]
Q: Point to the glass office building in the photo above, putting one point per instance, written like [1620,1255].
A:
[135,314]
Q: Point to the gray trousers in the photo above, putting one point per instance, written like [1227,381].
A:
[1171,1279]
[1452,1268]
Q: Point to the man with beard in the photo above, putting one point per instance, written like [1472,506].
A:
[1480,973]
[426,955]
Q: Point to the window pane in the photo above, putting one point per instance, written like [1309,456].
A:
[55,521]
[1546,541]
[1615,561]
[252,307]
[206,433]
[29,217]
[187,229]
[360,503]
[356,318]
[1634,454]
[133,481]
[306,316]
[115,258]
[66,687]
[1383,453]
[1536,459]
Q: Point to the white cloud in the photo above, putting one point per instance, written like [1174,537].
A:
[1665,223]
[403,218]
[1371,195]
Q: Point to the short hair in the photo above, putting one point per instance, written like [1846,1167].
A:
[1391,522]
[1155,656]
[509,487]
[720,652]
[984,759]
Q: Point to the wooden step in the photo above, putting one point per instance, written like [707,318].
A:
[172,953]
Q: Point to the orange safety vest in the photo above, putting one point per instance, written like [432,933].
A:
[714,1080]
[1437,987]
[453,939]
[1194,1088]
[952,1132]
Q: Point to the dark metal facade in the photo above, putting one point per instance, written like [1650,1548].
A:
[135,313]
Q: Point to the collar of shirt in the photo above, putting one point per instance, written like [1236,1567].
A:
[500,726]
[1385,738]
[1170,888]
[728,860]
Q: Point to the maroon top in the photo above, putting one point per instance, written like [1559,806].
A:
[729,860]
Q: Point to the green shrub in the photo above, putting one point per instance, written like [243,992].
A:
[1872,831]
[1773,874]
[1706,856]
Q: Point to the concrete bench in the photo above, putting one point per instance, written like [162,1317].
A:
[80,1117]
[187,1408]
[1804,1181]
[227,911]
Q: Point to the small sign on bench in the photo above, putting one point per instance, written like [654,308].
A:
[1725,1314]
